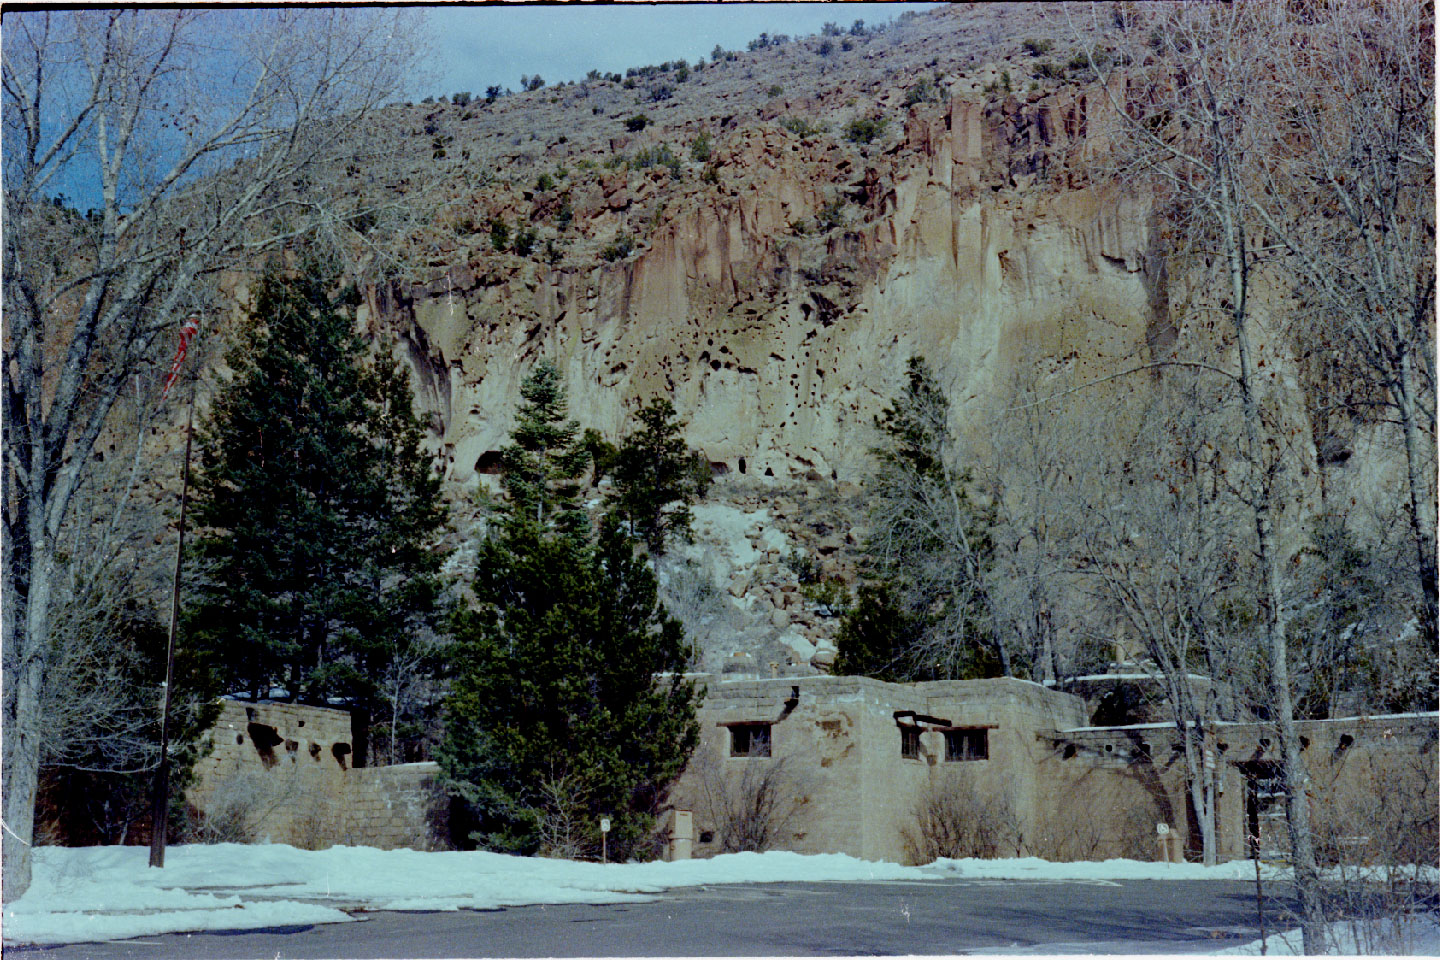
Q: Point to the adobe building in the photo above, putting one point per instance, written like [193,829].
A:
[282,773]
[885,771]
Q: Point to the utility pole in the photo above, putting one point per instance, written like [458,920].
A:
[159,815]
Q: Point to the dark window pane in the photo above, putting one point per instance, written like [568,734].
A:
[967,745]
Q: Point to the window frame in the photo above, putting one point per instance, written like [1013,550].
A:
[910,740]
[752,727]
[967,734]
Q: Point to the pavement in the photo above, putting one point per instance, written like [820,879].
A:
[942,917]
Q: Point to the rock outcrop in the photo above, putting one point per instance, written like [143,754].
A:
[780,285]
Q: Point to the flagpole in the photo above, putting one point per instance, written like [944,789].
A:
[159,816]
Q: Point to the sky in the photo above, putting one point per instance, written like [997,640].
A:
[477,46]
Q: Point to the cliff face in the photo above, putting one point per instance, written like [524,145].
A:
[767,242]
[779,286]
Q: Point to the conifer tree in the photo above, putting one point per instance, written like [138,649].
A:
[657,477]
[543,463]
[556,715]
[927,555]
[319,511]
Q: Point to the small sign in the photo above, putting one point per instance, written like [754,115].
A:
[604,824]
[1163,829]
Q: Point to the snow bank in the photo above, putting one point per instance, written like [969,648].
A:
[109,893]
[1418,936]
[1033,868]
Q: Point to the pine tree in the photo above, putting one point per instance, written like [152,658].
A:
[391,636]
[557,716]
[877,636]
[543,463]
[928,553]
[319,511]
[657,477]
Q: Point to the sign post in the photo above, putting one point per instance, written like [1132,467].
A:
[604,839]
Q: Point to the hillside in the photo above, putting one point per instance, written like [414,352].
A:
[778,287]
[767,240]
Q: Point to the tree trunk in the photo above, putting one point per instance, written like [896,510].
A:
[1195,775]
[23,685]
[1297,779]
[22,771]
[1258,493]
[1422,522]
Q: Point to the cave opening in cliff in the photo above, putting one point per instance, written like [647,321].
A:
[490,462]
[741,465]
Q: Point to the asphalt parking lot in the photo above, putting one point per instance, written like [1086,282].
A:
[790,919]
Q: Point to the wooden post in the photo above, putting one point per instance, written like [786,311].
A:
[159,814]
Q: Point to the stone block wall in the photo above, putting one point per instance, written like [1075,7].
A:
[281,773]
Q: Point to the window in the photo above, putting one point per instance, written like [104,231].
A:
[967,744]
[909,742]
[750,740]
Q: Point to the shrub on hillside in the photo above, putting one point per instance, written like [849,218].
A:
[700,147]
[499,234]
[657,156]
[801,127]
[926,91]
[621,248]
[524,242]
[864,129]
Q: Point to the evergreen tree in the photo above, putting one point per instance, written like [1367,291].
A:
[556,715]
[390,634]
[657,477]
[877,635]
[319,511]
[543,463]
[928,553]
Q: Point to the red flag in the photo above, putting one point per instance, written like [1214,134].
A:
[190,328]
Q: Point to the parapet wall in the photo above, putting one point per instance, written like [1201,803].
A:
[282,773]
[856,765]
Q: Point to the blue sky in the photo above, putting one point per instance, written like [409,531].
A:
[477,46]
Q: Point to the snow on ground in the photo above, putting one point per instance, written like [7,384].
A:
[1419,936]
[109,893]
[1033,868]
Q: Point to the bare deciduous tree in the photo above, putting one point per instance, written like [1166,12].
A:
[750,809]
[1349,195]
[929,537]
[187,133]
[1160,549]
[1039,455]
[1196,113]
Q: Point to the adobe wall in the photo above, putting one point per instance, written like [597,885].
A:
[1377,771]
[836,747]
[1049,787]
[281,773]
[836,780]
